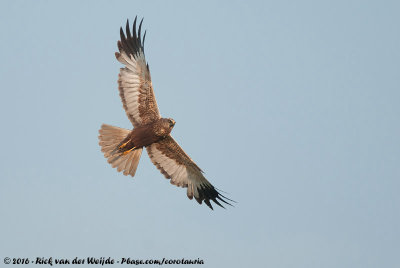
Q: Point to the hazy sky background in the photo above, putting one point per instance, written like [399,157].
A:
[291,107]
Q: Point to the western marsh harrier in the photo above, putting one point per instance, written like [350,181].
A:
[123,147]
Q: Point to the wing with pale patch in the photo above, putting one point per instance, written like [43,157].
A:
[176,165]
[134,81]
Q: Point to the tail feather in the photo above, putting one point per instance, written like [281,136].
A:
[110,137]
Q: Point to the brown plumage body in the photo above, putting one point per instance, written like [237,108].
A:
[144,135]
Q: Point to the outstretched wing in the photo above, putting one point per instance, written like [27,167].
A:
[134,81]
[176,165]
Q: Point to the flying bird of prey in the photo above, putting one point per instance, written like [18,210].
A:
[123,147]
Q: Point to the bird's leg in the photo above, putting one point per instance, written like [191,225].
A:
[123,145]
[120,147]
[128,151]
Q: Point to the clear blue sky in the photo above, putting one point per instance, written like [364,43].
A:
[292,107]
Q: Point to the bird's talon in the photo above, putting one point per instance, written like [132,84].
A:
[123,145]
[128,151]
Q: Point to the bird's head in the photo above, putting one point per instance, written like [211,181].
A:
[171,122]
[165,125]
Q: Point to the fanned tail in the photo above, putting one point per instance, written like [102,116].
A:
[110,138]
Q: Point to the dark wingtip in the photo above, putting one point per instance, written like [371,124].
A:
[119,44]
[144,37]
[228,199]
[128,31]
[218,203]
[208,203]
[139,31]
[131,39]
[199,200]
[226,202]
[208,193]
[121,32]
[219,190]
[140,24]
